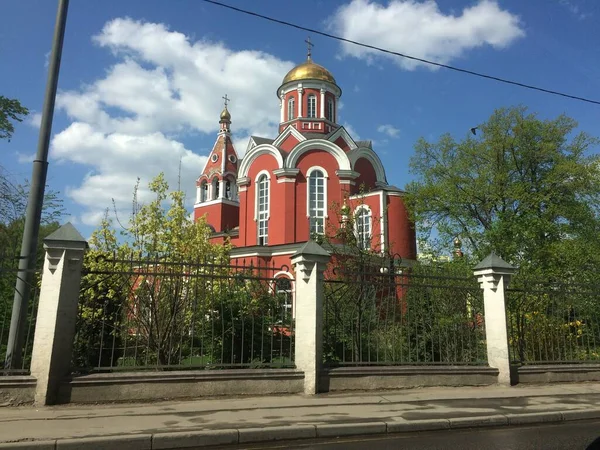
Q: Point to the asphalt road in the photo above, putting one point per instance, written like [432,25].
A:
[563,436]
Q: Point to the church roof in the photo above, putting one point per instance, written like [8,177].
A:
[261,140]
[368,144]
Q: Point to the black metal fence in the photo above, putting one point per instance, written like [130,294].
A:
[160,314]
[553,322]
[420,315]
[8,277]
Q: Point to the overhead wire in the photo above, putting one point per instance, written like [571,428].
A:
[402,55]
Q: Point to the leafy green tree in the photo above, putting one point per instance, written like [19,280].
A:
[524,187]
[138,294]
[11,111]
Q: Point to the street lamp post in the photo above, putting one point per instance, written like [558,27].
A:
[35,201]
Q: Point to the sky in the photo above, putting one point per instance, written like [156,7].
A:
[141,81]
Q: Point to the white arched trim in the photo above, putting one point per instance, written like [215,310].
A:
[318,144]
[261,173]
[313,168]
[255,152]
[285,274]
[371,156]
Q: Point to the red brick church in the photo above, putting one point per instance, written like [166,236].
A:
[291,187]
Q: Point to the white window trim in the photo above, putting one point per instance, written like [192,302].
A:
[258,175]
[326,179]
[291,106]
[308,116]
[357,210]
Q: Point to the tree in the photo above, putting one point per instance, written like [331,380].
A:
[524,187]
[10,111]
[142,289]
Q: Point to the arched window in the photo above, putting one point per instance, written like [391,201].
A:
[262,209]
[203,191]
[284,291]
[330,110]
[362,221]
[316,201]
[291,108]
[228,191]
[215,188]
[312,106]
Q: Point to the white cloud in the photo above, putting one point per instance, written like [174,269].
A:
[351,131]
[420,29]
[574,9]
[164,87]
[388,129]
[35,120]
[25,158]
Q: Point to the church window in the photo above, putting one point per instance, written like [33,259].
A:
[228,191]
[291,108]
[362,225]
[316,201]
[262,207]
[204,191]
[330,110]
[284,291]
[215,188]
[312,106]
[214,157]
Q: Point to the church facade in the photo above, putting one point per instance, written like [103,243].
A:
[302,183]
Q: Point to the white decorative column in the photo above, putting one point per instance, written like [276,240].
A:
[221,188]
[493,274]
[198,194]
[57,312]
[322,103]
[282,107]
[300,92]
[309,264]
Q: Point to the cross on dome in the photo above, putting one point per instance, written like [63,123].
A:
[227,100]
[310,45]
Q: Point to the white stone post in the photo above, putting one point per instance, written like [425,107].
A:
[309,264]
[282,107]
[322,104]
[57,312]
[493,274]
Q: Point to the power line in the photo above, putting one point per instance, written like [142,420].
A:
[414,58]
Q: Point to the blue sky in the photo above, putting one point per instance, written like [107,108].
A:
[141,80]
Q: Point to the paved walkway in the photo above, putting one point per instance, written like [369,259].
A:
[187,424]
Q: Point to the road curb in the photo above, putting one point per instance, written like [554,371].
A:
[208,438]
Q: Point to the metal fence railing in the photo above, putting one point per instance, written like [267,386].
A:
[8,278]
[157,314]
[421,315]
[553,322]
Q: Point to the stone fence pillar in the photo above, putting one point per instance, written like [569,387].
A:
[57,312]
[309,264]
[493,274]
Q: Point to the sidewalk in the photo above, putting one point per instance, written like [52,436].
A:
[193,424]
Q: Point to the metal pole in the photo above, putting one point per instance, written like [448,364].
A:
[18,321]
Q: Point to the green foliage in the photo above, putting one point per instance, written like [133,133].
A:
[525,188]
[166,296]
[10,111]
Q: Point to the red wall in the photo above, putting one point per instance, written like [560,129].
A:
[401,231]
[367,175]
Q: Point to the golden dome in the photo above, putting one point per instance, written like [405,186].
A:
[225,114]
[308,70]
